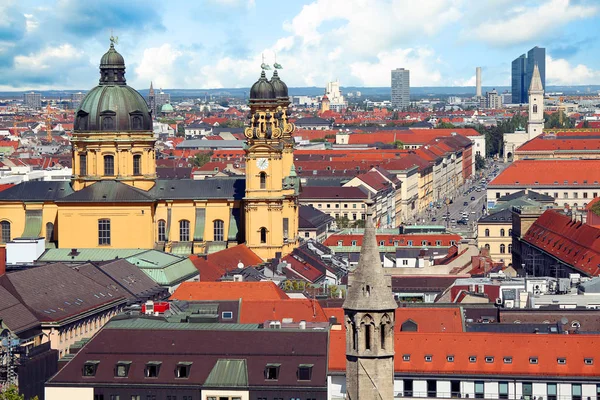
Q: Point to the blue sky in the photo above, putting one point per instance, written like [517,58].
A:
[219,43]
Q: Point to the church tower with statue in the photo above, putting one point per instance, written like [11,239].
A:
[272,186]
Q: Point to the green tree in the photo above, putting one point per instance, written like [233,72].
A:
[445,125]
[558,120]
[398,144]
[359,223]
[202,158]
[180,130]
[479,162]
[342,222]
[233,123]
[12,393]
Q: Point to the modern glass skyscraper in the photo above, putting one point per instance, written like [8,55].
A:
[537,55]
[522,70]
[519,93]
[400,88]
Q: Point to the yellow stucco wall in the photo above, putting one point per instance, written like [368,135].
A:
[496,239]
[131,225]
[14,212]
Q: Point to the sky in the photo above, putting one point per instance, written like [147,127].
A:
[201,44]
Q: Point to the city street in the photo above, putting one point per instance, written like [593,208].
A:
[474,208]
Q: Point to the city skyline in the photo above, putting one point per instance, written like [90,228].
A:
[179,46]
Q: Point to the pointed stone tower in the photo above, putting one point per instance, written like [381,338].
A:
[535,126]
[369,316]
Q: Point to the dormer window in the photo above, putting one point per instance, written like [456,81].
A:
[305,372]
[450,358]
[533,360]
[588,361]
[152,369]
[472,359]
[90,368]
[182,370]
[561,360]
[428,358]
[489,359]
[272,372]
[122,369]
[507,360]
[406,357]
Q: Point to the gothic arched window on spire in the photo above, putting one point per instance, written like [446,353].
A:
[384,329]
[535,108]
[367,327]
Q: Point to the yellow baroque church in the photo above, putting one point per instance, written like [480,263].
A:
[114,199]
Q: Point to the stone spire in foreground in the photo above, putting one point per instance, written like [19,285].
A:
[369,317]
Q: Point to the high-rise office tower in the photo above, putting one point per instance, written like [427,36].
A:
[478,81]
[33,100]
[522,71]
[400,88]
[518,80]
[536,56]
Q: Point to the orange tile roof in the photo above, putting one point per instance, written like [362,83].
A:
[390,239]
[215,265]
[547,172]
[544,144]
[428,319]
[198,291]
[259,311]
[547,349]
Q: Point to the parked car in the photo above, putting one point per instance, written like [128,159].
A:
[466,203]
[472,198]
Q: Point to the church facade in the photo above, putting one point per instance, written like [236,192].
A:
[115,200]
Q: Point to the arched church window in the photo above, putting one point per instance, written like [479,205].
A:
[535,108]
[4,231]
[109,165]
[108,123]
[263,180]
[136,122]
[184,230]
[81,121]
[263,235]
[218,230]
[137,164]
[162,230]
[49,232]
[83,164]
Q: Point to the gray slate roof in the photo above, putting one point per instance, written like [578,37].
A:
[311,218]
[211,144]
[108,192]
[37,191]
[501,217]
[56,292]
[532,195]
[218,188]
[14,314]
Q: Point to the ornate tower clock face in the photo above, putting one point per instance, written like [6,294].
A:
[262,163]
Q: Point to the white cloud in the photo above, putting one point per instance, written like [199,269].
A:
[48,58]
[465,82]
[31,23]
[561,72]
[522,24]
[420,62]
[158,65]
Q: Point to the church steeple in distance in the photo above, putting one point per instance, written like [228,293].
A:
[369,317]
[535,123]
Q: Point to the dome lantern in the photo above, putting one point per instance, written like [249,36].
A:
[112,66]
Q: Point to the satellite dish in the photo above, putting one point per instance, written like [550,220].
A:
[564,320]
[241,265]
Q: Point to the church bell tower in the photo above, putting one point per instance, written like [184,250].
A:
[272,187]
[369,311]
[535,126]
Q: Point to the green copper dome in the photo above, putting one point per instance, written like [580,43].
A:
[112,106]
[166,108]
[262,89]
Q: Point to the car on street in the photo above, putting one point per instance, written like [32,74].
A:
[472,198]
[466,203]
[462,222]
[452,221]
[433,219]
[473,212]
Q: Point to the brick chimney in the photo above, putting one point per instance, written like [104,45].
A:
[2,260]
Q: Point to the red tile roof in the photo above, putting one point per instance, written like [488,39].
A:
[549,172]
[541,143]
[303,269]
[546,348]
[5,186]
[390,239]
[428,319]
[198,291]
[259,311]
[215,265]
[574,243]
